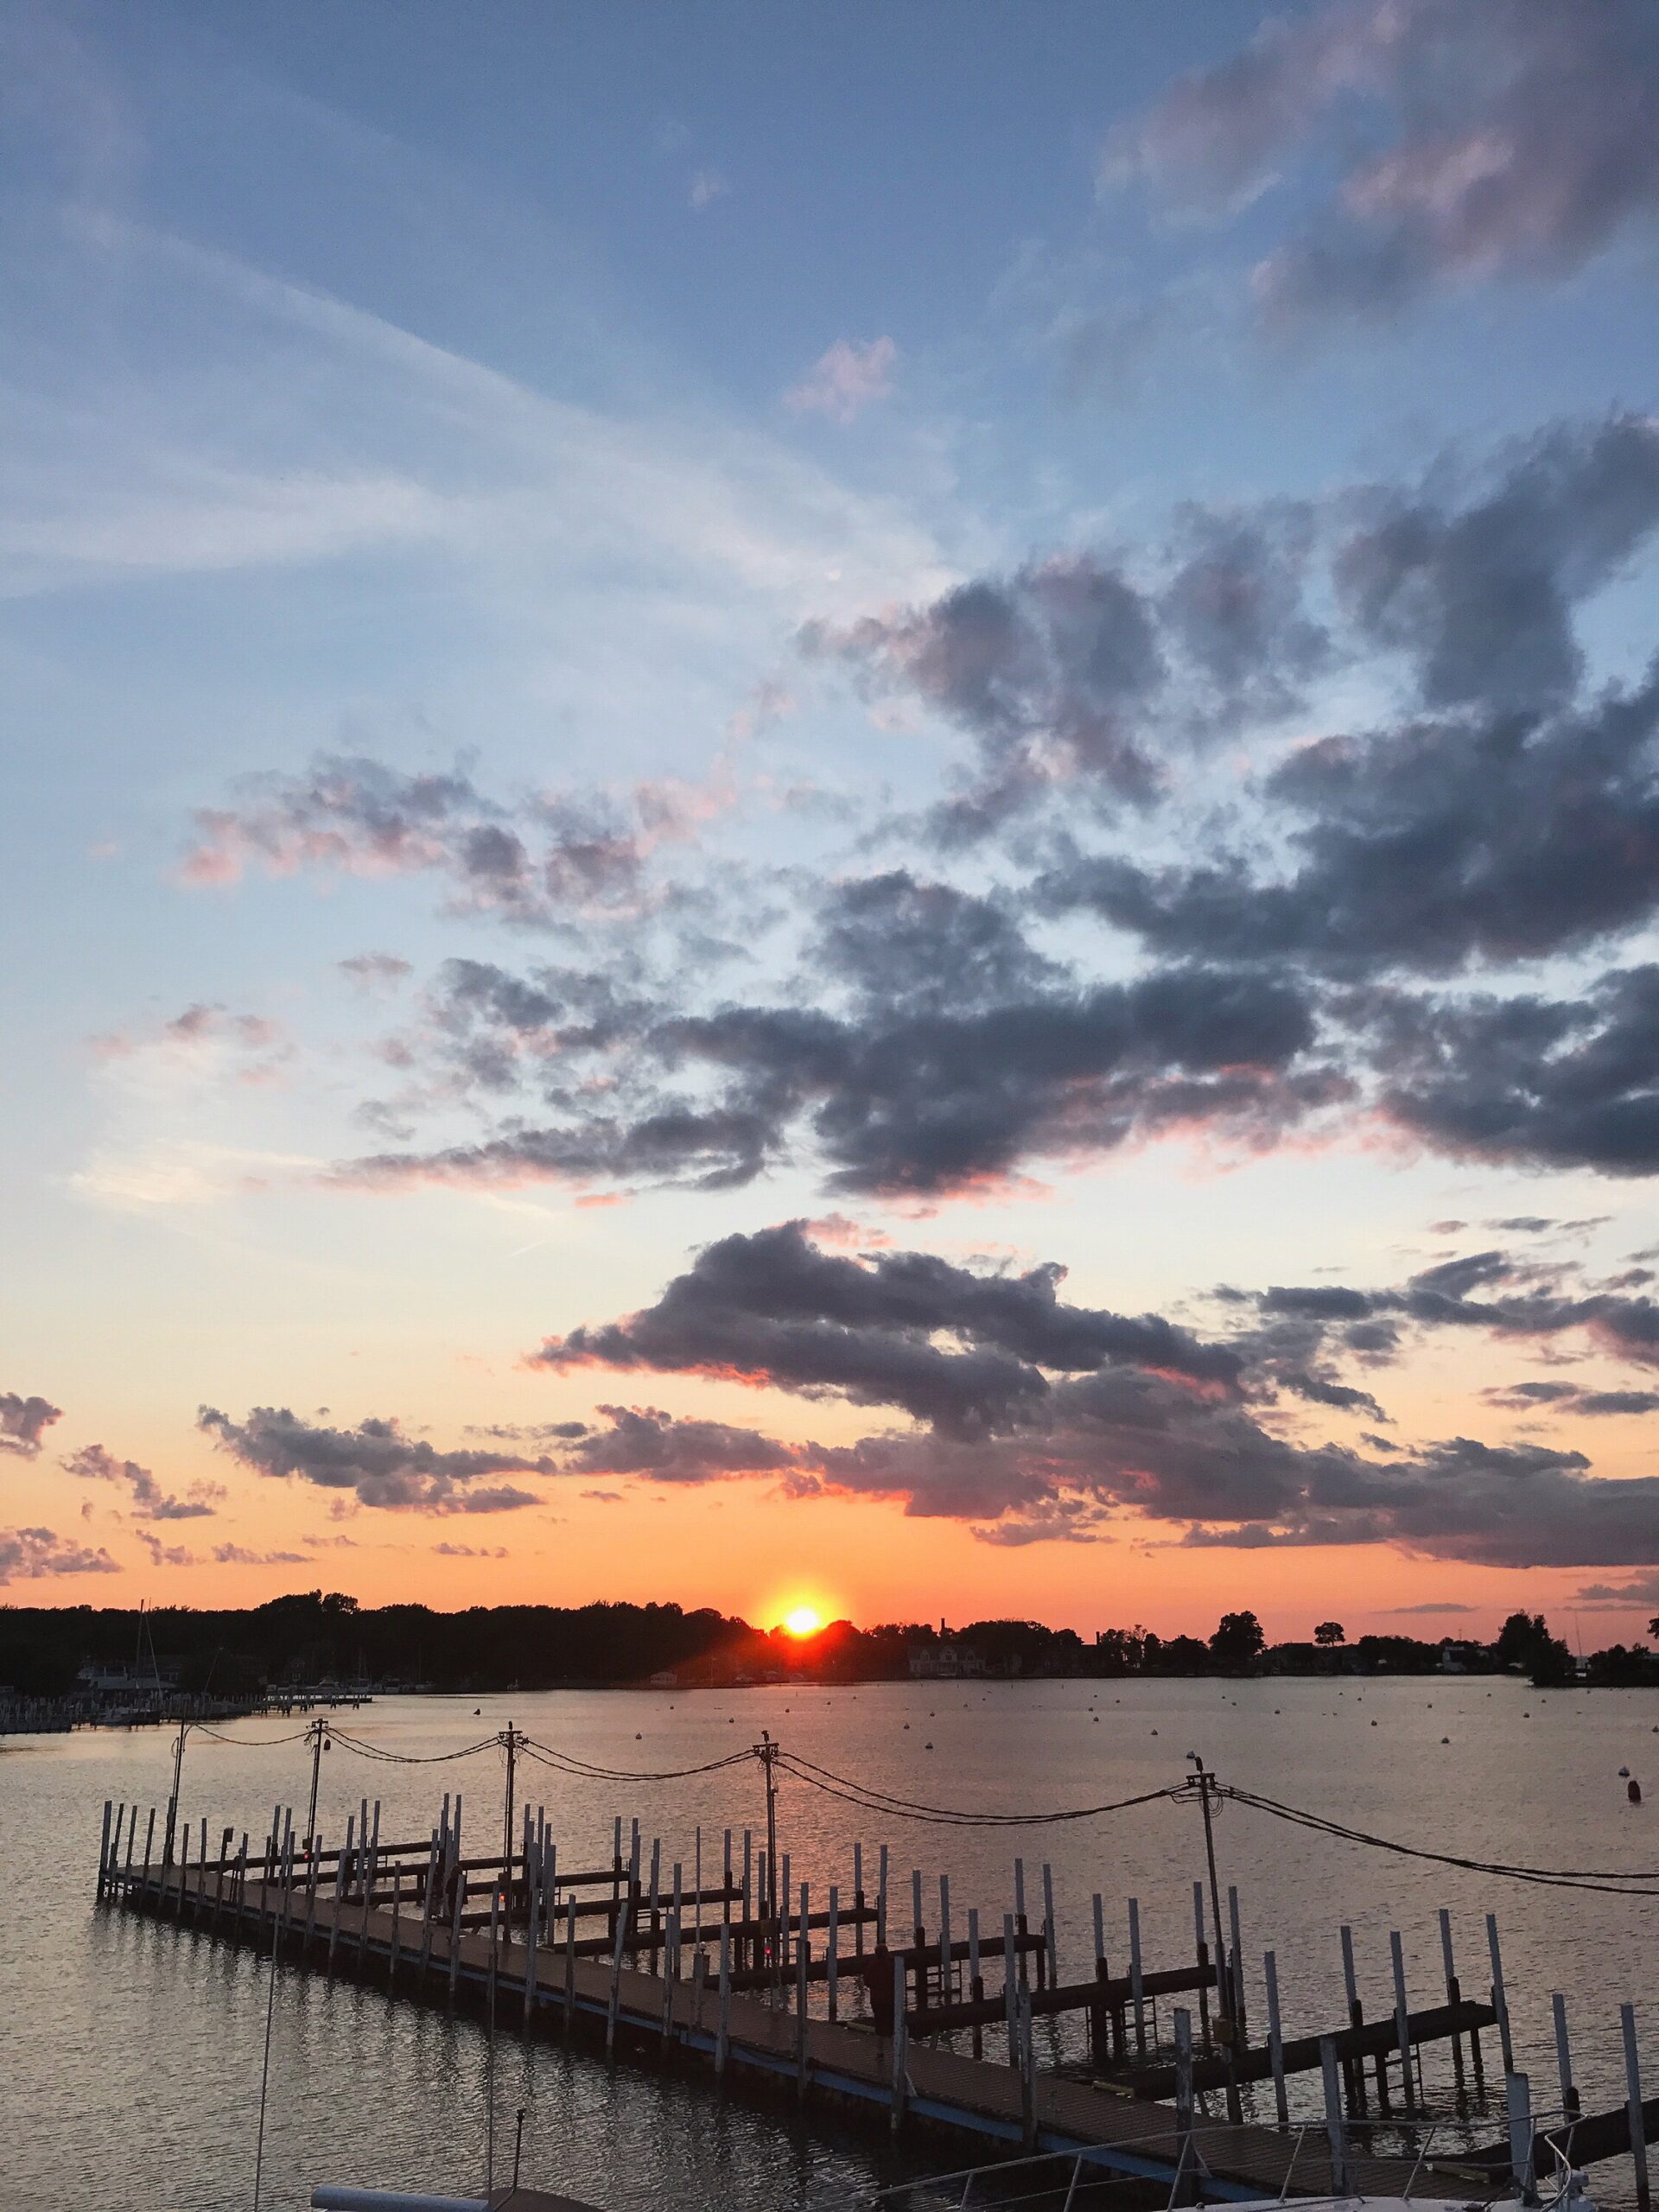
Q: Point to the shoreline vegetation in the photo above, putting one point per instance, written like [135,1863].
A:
[89,1664]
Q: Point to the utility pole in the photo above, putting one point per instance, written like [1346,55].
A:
[1225,1993]
[318,1732]
[509,1741]
[767,1752]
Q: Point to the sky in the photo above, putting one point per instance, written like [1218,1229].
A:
[842,805]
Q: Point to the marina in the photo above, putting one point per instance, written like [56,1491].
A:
[862,1997]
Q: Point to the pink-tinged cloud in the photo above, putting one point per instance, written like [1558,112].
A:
[844,381]
[27,1554]
[24,1422]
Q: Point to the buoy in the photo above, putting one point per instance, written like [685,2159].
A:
[1445,1739]
[1623,1771]
[927,1747]
[637,1737]
[1633,1790]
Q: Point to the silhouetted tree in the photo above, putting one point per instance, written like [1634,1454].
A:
[1329,1633]
[1238,1641]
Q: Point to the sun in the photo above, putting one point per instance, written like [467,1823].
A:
[802,1620]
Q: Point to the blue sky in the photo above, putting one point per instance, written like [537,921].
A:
[1020,634]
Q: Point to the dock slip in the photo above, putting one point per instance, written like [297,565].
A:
[920,2020]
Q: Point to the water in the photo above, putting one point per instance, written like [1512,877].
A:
[130,2056]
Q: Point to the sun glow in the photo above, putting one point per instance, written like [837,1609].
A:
[802,1620]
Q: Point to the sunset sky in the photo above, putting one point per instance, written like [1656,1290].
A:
[844,804]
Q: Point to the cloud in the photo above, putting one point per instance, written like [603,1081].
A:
[1510,141]
[375,1460]
[842,382]
[1642,1592]
[163,1555]
[149,1502]
[239,1555]
[1430,1605]
[641,1440]
[471,1551]
[706,187]
[941,1054]
[772,1308]
[23,1423]
[374,972]
[28,1555]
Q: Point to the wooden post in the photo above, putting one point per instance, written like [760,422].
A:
[832,1963]
[1098,2031]
[103,1852]
[1235,1967]
[803,1960]
[1517,2102]
[1184,2094]
[1137,1983]
[858,1899]
[340,1898]
[670,1965]
[1011,1987]
[723,2028]
[900,2025]
[1333,2129]
[1203,1949]
[613,2003]
[1027,2073]
[498,1893]
[1275,2039]
[1051,1937]
[311,1871]
[535,1902]
[428,1902]
[1570,2106]
[1500,2002]
[149,1838]
[882,1902]
[1401,2017]
[654,1937]
[1020,1922]
[569,1965]
[394,1945]
[1453,1994]
[184,1864]
[1633,2106]
[1356,2072]
[455,1932]
[947,1974]
[976,1980]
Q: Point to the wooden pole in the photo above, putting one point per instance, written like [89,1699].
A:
[1500,2002]
[975,1981]
[1235,1981]
[569,1966]
[1401,2017]
[1333,2127]
[1633,2089]
[1027,2073]
[1137,1981]
[614,2002]
[858,1899]
[455,1931]
[1050,1938]
[1275,2039]
[103,1852]
[802,1960]
[1184,2089]
[1517,2104]
[672,1964]
[1356,2073]
[1570,2106]
[896,2116]
[1453,1994]
[832,1960]
[723,2030]
[1202,1953]
[311,1894]
[882,1902]
[530,1948]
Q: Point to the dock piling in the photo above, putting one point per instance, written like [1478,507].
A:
[1275,2039]
[1633,2091]
[1500,2002]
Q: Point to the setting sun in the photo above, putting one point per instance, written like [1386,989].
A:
[804,1620]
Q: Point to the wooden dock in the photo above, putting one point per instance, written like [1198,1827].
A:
[745,2038]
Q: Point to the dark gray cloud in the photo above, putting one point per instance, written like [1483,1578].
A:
[375,1460]
[772,1307]
[1555,1082]
[149,1502]
[1570,1398]
[956,1053]
[1517,139]
[23,1423]
[1642,1592]
[1496,838]
[27,1554]
[642,1440]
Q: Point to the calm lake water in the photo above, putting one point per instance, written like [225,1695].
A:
[131,2056]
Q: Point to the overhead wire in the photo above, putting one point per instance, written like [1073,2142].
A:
[1598,1881]
[880,1800]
